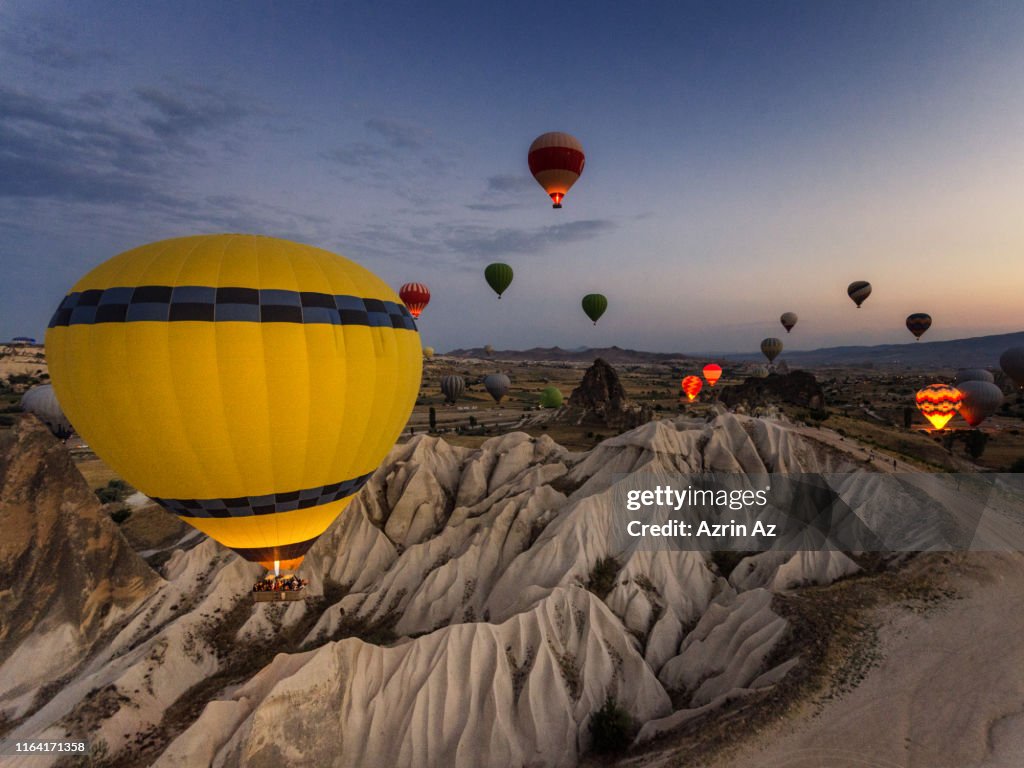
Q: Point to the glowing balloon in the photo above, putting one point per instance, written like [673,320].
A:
[594,304]
[939,403]
[788,320]
[1012,363]
[692,386]
[918,323]
[428,352]
[858,291]
[250,385]
[712,372]
[981,400]
[556,162]
[41,401]
[415,296]
[452,387]
[770,348]
[499,277]
[551,397]
[497,385]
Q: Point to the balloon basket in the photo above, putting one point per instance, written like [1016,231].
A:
[277,596]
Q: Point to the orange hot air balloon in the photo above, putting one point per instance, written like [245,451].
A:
[415,296]
[556,161]
[692,386]
[712,372]
[939,403]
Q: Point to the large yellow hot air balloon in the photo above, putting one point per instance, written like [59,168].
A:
[249,385]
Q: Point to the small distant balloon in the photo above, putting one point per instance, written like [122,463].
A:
[594,304]
[556,161]
[691,387]
[712,372]
[981,400]
[415,296]
[858,291]
[788,320]
[452,387]
[497,385]
[428,352]
[760,371]
[499,277]
[939,403]
[551,397]
[973,374]
[918,323]
[771,347]
[1012,363]
[488,350]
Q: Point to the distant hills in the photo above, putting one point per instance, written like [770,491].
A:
[977,352]
[578,355]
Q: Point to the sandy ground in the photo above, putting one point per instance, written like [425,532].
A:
[948,692]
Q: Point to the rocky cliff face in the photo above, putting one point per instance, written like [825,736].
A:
[67,577]
[601,399]
[796,388]
[472,607]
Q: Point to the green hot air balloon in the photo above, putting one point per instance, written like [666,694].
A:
[551,397]
[594,304]
[499,277]
[770,348]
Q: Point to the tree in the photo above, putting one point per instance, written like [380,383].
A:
[975,442]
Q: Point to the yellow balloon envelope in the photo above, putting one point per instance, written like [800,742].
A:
[250,385]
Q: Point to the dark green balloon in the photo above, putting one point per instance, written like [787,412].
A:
[499,277]
[594,304]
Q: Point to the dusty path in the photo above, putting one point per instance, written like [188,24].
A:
[948,692]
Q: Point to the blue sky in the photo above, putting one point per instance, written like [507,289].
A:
[743,159]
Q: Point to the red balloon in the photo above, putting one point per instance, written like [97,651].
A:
[712,372]
[556,161]
[415,296]
[692,386]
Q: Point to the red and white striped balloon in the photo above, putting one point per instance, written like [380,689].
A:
[415,296]
[556,161]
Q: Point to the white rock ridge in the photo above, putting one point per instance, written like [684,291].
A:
[478,607]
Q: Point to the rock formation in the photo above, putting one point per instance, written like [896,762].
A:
[600,399]
[796,388]
[67,577]
[472,607]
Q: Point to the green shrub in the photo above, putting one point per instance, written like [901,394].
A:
[114,491]
[602,576]
[611,728]
[120,514]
